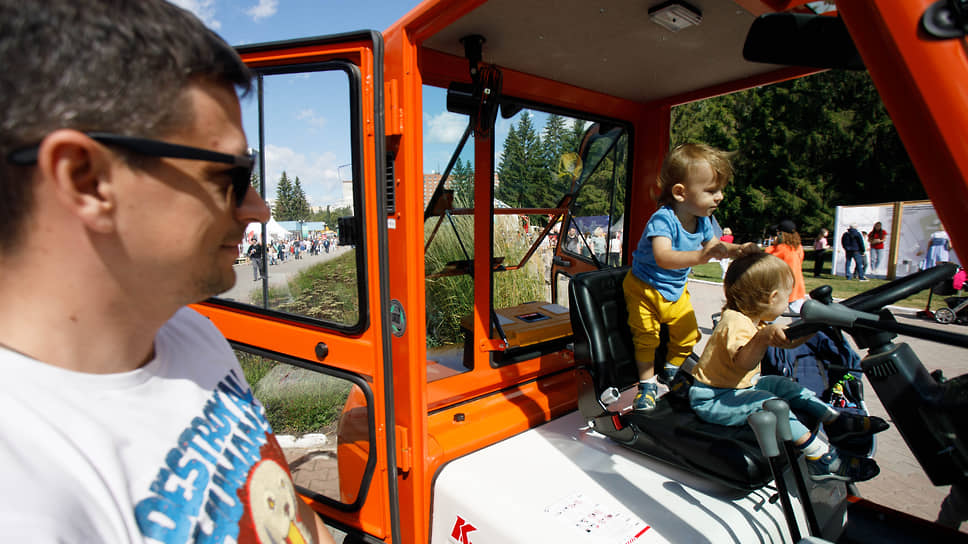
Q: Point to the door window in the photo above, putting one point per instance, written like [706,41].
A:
[302,127]
[322,421]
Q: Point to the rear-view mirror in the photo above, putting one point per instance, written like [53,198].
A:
[799,39]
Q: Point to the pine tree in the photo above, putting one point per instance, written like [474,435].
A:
[554,139]
[525,181]
[300,205]
[511,167]
[283,209]
[462,182]
[573,136]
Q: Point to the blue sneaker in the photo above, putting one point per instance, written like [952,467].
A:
[845,468]
[848,425]
[645,398]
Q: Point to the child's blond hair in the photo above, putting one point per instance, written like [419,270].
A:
[682,158]
[750,280]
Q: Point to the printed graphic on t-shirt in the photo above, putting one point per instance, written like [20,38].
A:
[225,481]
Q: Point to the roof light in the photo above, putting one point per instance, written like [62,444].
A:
[675,15]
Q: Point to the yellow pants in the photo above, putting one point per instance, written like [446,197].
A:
[647,311]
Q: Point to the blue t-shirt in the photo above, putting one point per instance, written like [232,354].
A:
[669,283]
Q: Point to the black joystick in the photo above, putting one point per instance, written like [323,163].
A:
[823,294]
[784,434]
[764,427]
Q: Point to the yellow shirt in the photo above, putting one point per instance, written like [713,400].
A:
[716,367]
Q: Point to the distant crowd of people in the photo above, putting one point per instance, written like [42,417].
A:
[279,251]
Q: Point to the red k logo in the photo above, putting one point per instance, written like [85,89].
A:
[461,528]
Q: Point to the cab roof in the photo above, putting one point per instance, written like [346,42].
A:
[610,46]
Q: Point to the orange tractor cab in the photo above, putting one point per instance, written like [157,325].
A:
[474,344]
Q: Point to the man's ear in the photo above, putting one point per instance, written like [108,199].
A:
[78,171]
[679,192]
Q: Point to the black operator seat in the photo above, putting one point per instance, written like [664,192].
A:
[671,432]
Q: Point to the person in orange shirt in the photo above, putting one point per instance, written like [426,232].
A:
[787,247]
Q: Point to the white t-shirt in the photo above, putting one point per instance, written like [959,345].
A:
[176,451]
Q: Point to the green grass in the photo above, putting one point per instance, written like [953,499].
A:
[312,404]
[842,287]
[449,298]
[254,367]
[326,291]
[306,413]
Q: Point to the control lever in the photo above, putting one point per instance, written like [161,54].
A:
[609,396]
[764,427]
[784,434]
[815,315]
[837,315]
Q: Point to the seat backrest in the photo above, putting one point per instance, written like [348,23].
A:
[599,321]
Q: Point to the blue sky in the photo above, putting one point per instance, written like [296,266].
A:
[254,21]
[306,121]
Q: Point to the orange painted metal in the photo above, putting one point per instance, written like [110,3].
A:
[407,287]
[759,7]
[483,244]
[649,146]
[359,353]
[769,78]
[439,69]
[304,54]
[463,429]
[430,17]
[354,354]
[484,380]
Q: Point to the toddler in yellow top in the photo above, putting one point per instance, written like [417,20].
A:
[726,388]
[678,236]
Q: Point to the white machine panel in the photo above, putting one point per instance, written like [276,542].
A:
[563,483]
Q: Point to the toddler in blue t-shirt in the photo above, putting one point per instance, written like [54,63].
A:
[678,236]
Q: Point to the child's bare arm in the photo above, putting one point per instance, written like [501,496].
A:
[669,258]
[734,251]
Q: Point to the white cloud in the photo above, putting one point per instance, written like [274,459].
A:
[203,9]
[445,127]
[318,173]
[263,10]
[309,115]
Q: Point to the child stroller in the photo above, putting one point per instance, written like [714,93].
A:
[828,366]
[957,310]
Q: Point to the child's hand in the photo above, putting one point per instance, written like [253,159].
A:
[774,336]
[714,251]
[748,248]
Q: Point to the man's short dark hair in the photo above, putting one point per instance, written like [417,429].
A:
[105,65]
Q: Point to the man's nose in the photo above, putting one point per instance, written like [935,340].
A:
[253,209]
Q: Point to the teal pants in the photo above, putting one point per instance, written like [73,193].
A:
[731,407]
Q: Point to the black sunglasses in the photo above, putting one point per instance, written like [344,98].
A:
[241,174]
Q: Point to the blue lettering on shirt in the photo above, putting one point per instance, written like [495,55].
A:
[204,472]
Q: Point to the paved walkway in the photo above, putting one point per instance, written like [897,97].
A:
[279,274]
[902,484]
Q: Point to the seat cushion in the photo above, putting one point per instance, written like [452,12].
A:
[599,320]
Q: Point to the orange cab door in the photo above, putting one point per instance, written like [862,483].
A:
[306,319]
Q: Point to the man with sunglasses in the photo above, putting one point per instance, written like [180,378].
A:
[124,188]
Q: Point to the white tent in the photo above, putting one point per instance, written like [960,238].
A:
[273,230]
